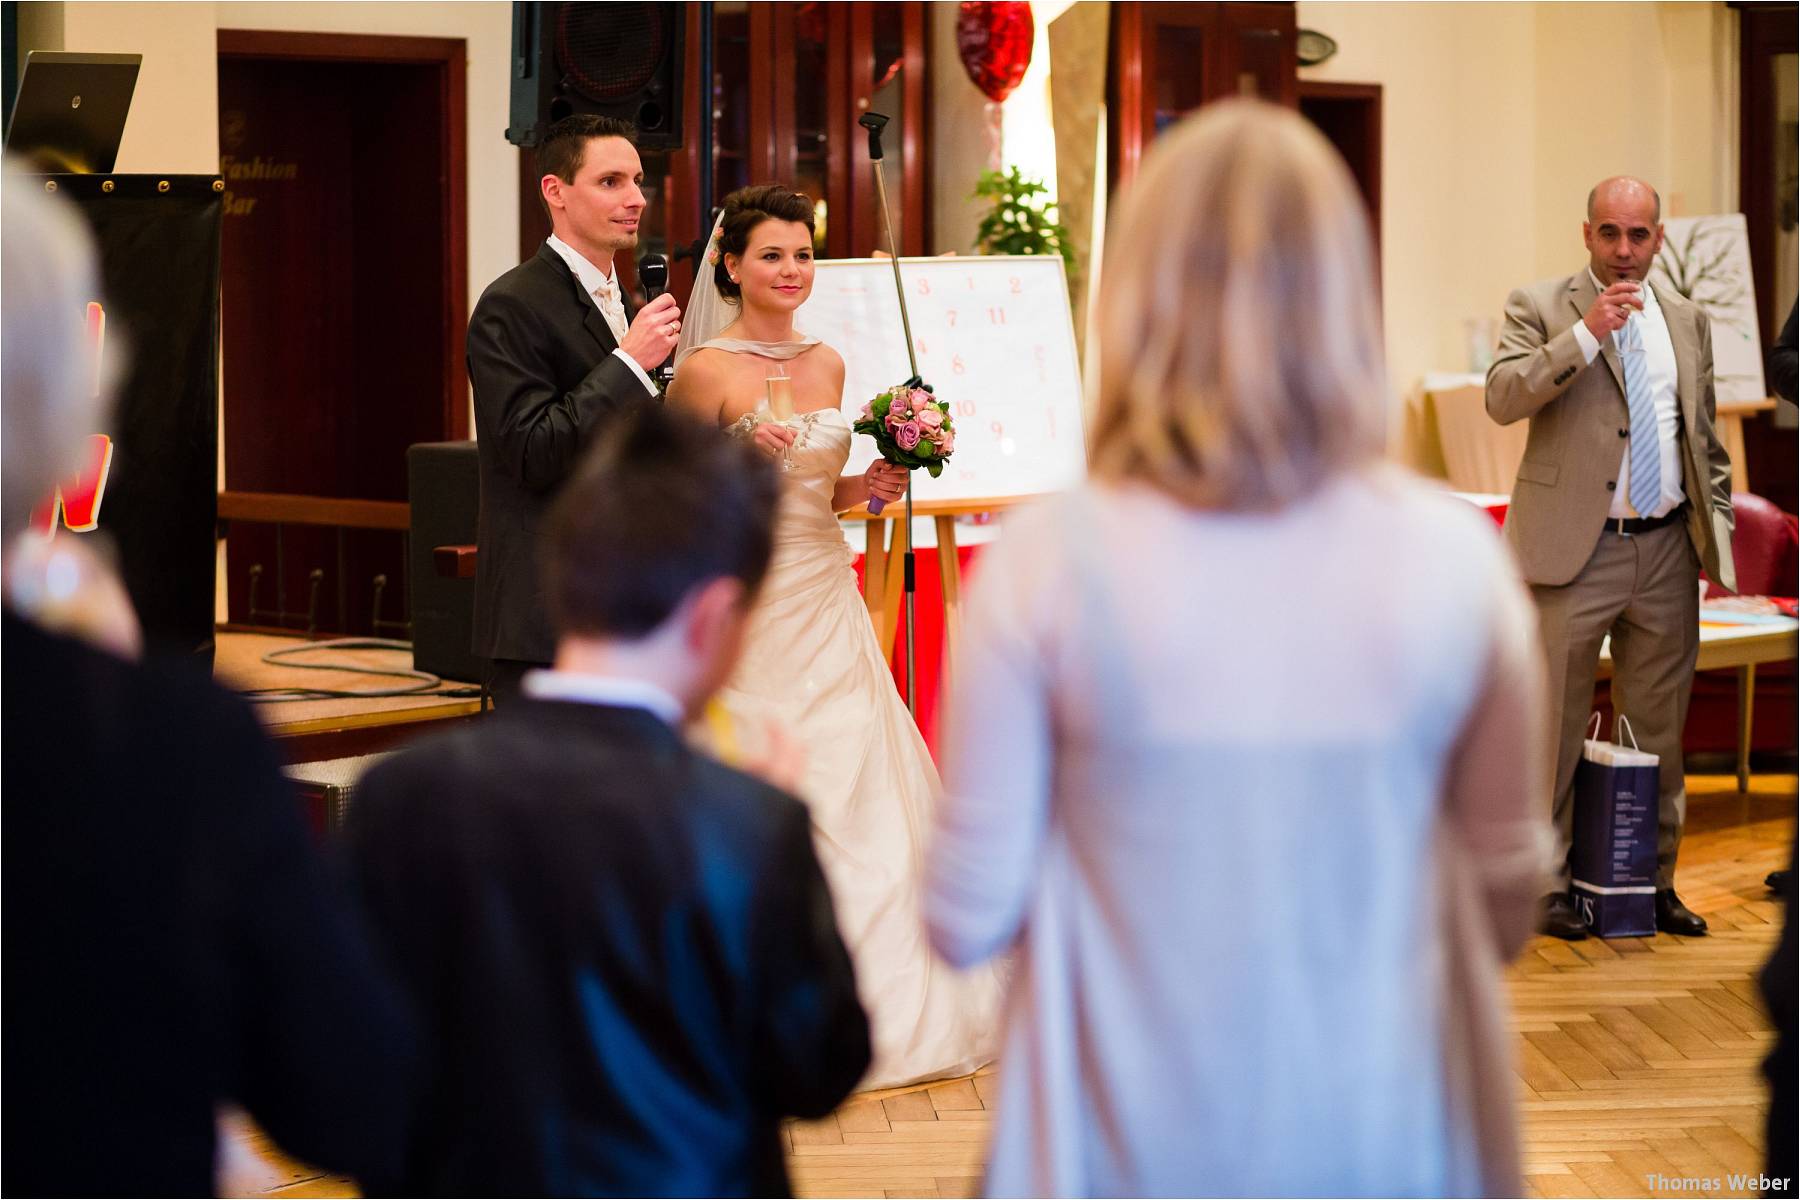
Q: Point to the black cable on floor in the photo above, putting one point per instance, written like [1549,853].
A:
[427,682]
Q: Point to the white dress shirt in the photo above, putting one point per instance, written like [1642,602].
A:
[603,289]
[612,690]
[1659,358]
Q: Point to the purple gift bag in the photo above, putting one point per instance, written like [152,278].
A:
[1613,860]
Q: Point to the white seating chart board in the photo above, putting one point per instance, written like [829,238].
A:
[994,339]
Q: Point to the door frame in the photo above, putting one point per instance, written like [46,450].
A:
[1765,30]
[1366,98]
[451,56]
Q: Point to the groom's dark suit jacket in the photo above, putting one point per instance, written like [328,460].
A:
[623,952]
[546,379]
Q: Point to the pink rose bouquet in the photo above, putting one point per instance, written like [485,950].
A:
[911,427]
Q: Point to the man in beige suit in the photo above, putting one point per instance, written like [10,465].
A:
[1623,496]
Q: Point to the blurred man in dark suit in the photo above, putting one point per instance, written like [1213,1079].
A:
[625,951]
[1777,977]
[1782,359]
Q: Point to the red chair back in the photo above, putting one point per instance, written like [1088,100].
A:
[1765,547]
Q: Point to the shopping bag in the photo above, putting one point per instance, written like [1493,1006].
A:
[1612,863]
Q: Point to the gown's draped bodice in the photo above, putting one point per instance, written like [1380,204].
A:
[820,450]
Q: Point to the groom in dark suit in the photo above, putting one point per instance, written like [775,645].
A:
[623,952]
[553,357]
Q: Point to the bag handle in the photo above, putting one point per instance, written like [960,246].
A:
[1618,720]
[1594,727]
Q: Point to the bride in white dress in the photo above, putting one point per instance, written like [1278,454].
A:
[810,662]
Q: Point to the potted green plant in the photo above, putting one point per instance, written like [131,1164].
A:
[1019,220]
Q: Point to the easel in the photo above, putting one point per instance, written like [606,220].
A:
[1731,417]
[884,556]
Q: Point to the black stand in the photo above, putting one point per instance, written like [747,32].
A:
[874,122]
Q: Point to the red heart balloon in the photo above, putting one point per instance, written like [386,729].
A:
[994,42]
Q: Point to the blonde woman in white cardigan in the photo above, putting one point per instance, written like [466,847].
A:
[1241,754]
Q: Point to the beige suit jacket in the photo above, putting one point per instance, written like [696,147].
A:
[1578,425]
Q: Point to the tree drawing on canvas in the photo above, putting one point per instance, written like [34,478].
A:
[1707,260]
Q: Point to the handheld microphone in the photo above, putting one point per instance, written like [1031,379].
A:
[653,273]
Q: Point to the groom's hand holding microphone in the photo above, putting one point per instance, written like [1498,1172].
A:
[659,318]
[653,332]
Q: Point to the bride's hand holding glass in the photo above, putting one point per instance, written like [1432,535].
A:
[773,438]
[780,391]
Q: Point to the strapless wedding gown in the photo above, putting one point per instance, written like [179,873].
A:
[811,662]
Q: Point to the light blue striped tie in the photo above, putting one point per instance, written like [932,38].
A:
[1646,459]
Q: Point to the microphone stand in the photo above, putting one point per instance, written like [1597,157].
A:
[874,122]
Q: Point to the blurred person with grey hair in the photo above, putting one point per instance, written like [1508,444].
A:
[172,943]
[54,386]
[1240,753]
[47,278]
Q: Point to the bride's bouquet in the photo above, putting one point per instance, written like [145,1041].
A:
[911,427]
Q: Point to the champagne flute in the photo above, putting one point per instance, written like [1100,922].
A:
[781,406]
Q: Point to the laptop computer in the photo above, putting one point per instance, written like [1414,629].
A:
[70,113]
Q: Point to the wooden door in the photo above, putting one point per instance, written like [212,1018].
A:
[1767,50]
[1349,115]
[1254,54]
[1169,59]
[788,82]
[791,81]
[887,75]
[343,306]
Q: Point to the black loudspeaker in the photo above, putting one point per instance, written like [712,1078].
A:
[443,487]
[618,60]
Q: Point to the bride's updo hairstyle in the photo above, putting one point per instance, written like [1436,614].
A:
[1240,343]
[747,208]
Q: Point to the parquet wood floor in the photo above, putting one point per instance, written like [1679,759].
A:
[1637,1057]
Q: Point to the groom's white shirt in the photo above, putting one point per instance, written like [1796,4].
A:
[592,279]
